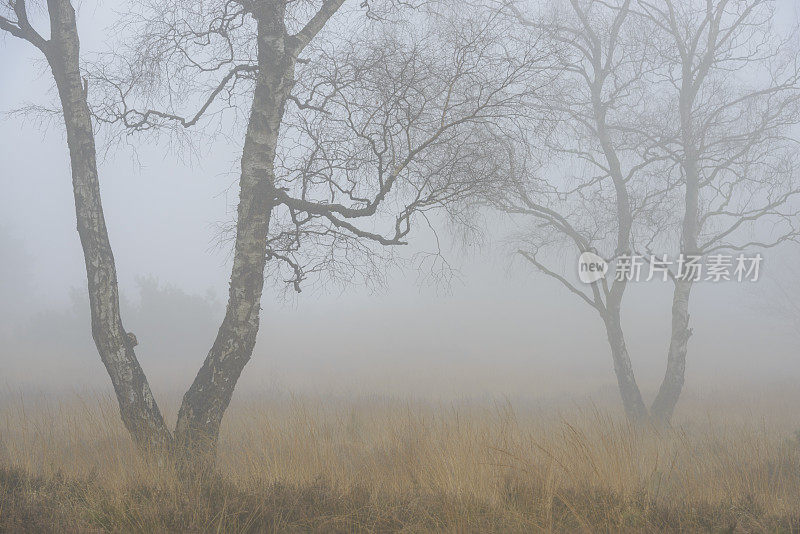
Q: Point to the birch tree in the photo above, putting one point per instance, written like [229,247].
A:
[138,408]
[731,88]
[676,117]
[585,183]
[350,140]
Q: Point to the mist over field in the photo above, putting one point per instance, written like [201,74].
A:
[498,328]
[421,180]
[494,331]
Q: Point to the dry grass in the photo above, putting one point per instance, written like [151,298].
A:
[386,465]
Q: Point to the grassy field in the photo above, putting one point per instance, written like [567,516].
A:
[379,465]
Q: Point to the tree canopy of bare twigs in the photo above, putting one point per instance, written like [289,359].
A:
[359,120]
[672,132]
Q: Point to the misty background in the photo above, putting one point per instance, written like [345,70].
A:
[497,328]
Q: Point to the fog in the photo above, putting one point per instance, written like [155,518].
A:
[496,328]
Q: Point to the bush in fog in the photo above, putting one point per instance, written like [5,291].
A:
[171,326]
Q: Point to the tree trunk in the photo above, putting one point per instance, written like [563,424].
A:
[670,390]
[635,408]
[205,402]
[671,386]
[138,408]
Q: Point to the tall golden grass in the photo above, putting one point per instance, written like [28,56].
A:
[373,464]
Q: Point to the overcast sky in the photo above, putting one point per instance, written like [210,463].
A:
[496,330]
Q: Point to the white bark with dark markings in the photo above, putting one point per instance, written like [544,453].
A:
[204,404]
[138,408]
[672,385]
[206,400]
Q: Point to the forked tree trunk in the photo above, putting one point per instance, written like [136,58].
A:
[670,391]
[205,402]
[139,411]
[635,409]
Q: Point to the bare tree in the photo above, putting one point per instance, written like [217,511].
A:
[349,140]
[138,408]
[731,93]
[587,179]
[663,108]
